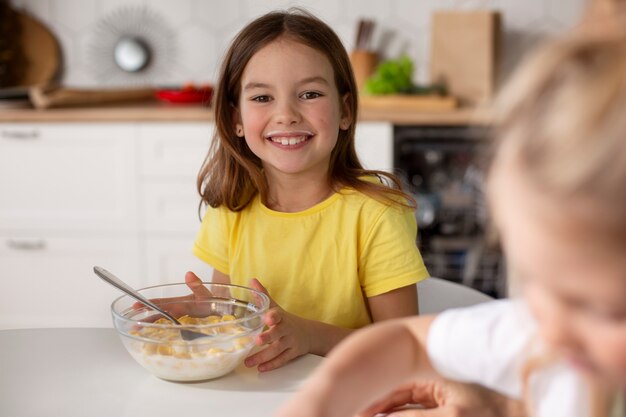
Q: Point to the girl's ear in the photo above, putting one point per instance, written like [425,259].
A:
[237,122]
[346,113]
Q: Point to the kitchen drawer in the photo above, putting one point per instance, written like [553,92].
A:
[59,177]
[174,150]
[49,282]
[171,206]
[167,260]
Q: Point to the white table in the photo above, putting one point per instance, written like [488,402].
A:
[88,373]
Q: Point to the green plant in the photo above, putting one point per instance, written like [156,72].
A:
[391,76]
[394,76]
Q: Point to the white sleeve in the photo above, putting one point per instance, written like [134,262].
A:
[489,344]
[484,344]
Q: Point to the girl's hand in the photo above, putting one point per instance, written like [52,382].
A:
[286,339]
[192,304]
[445,398]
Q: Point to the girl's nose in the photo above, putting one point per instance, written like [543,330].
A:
[287,113]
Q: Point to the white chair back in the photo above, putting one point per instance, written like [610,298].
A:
[436,295]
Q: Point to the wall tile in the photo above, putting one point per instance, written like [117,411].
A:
[216,15]
[198,55]
[177,13]
[203,29]
[523,13]
[568,14]
[37,8]
[417,13]
[73,14]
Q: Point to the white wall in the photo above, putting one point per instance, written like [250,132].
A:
[201,29]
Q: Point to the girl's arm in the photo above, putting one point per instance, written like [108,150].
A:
[401,302]
[365,368]
[291,336]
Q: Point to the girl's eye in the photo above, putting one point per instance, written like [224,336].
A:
[261,99]
[309,95]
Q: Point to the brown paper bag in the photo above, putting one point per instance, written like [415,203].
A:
[464,53]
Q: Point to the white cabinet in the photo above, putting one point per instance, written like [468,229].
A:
[75,195]
[171,156]
[374,145]
[167,260]
[68,201]
[48,281]
[58,178]
[119,195]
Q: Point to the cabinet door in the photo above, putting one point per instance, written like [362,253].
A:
[173,150]
[374,145]
[50,282]
[67,177]
[167,260]
[172,155]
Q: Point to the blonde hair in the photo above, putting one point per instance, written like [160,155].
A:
[562,119]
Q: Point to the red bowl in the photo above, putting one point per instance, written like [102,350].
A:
[196,95]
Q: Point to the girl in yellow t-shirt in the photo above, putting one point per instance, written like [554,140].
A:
[557,193]
[290,209]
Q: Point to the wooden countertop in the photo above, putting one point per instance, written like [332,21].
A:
[161,112]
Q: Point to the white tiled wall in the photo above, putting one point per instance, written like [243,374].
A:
[201,30]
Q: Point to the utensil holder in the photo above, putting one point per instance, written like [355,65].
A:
[363,64]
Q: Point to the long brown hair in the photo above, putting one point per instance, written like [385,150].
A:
[232,174]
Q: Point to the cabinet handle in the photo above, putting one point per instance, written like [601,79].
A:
[20,134]
[26,244]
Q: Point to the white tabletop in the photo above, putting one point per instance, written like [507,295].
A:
[88,373]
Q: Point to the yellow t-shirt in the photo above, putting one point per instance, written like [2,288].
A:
[320,263]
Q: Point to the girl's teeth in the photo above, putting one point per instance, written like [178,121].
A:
[289,141]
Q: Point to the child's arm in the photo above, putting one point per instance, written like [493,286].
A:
[394,352]
[401,302]
[290,336]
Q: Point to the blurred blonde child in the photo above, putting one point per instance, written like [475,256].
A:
[288,202]
[557,190]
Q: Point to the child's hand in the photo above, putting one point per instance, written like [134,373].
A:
[193,304]
[446,398]
[286,338]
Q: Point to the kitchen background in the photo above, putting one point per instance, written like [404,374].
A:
[193,34]
[133,206]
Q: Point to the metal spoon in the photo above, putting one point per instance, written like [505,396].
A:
[120,285]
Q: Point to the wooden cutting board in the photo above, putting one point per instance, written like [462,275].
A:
[406,102]
[49,97]
[41,51]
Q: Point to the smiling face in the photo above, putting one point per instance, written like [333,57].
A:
[574,281]
[290,112]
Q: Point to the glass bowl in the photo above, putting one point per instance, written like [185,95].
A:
[230,315]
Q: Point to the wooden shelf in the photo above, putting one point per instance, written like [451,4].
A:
[154,111]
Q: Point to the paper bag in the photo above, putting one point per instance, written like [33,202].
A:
[464,53]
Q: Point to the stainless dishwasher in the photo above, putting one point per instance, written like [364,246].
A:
[444,167]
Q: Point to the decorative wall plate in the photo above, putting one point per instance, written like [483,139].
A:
[132,46]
